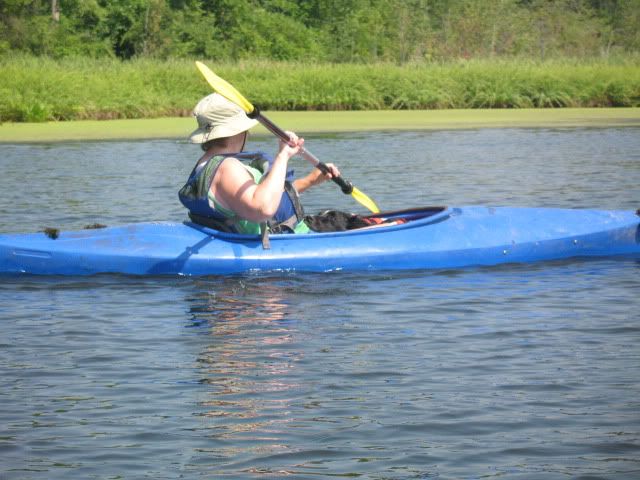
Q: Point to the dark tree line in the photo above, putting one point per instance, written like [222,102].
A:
[320,30]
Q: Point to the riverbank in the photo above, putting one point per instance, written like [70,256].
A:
[328,122]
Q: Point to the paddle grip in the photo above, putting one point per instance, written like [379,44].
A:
[255,114]
[345,186]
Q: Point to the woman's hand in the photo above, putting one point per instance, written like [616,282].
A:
[323,177]
[316,177]
[291,148]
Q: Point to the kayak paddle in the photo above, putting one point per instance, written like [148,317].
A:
[227,90]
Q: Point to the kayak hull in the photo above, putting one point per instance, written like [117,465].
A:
[441,238]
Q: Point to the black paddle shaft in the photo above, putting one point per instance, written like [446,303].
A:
[345,186]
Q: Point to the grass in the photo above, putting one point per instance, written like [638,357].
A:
[321,122]
[41,89]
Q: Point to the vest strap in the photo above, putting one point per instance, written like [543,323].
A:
[264,235]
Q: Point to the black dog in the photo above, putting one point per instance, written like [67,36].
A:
[335,221]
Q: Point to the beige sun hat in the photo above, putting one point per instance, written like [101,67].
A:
[218,117]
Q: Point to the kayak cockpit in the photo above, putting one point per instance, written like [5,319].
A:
[407,215]
[377,221]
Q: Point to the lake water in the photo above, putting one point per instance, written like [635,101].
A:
[512,372]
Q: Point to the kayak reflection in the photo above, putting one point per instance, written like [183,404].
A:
[250,361]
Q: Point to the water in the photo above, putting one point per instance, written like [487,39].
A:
[511,372]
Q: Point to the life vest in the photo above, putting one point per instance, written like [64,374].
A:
[204,209]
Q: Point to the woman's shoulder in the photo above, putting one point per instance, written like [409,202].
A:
[233,170]
[228,164]
[235,166]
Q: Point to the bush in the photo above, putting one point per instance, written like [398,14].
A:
[36,89]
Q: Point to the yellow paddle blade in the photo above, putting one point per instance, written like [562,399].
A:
[362,199]
[224,88]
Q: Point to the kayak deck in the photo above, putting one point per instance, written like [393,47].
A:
[432,237]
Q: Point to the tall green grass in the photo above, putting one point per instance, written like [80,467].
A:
[40,89]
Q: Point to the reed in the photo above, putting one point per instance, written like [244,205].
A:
[35,89]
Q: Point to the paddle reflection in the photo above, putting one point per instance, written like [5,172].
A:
[249,367]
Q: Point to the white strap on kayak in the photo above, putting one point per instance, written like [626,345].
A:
[264,235]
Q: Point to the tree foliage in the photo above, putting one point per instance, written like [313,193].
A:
[398,31]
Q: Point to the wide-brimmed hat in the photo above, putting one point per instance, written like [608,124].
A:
[218,117]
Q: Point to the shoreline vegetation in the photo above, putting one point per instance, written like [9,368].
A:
[41,89]
[178,128]
[44,99]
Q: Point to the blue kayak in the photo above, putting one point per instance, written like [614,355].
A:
[421,238]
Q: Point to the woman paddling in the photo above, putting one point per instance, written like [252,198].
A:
[236,191]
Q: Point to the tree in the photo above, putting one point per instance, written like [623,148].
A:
[334,30]
[55,10]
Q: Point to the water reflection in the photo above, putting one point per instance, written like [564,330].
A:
[249,367]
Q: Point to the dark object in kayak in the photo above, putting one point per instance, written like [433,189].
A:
[421,238]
